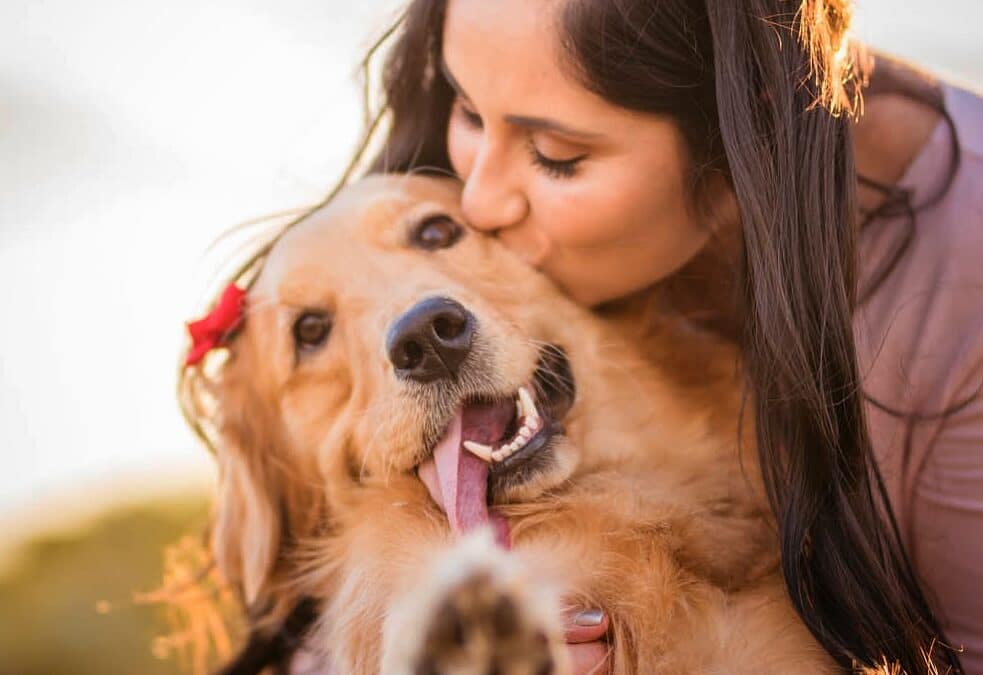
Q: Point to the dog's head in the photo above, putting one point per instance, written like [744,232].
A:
[384,338]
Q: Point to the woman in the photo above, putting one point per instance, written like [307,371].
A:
[702,153]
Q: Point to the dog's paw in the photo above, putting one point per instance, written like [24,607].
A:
[477,614]
[481,628]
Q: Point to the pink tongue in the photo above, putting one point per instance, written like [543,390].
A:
[458,482]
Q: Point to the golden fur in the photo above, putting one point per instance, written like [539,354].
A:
[646,511]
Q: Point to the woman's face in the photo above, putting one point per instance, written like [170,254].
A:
[595,196]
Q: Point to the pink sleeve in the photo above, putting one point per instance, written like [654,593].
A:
[920,349]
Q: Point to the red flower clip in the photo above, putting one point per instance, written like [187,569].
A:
[212,330]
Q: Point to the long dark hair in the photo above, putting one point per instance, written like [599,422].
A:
[762,90]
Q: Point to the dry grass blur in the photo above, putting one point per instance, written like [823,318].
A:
[90,602]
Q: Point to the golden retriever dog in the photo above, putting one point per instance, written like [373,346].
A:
[424,434]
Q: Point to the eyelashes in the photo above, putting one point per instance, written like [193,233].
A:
[555,168]
[472,118]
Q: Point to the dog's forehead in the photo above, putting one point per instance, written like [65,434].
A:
[374,209]
[364,219]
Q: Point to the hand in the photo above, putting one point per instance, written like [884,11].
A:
[304,662]
[584,632]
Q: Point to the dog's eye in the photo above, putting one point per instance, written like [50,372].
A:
[437,232]
[311,329]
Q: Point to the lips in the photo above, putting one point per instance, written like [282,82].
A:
[491,443]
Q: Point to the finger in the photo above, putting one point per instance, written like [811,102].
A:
[585,625]
[590,658]
[307,663]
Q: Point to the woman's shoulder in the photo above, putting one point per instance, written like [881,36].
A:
[954,150]
[911,124]
[944,184]
[937,214]
[965,107]
[920,333]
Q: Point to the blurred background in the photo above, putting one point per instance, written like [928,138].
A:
[132,134]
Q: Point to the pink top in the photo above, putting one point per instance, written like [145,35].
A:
[920,347]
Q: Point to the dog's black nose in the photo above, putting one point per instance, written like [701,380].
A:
[431,340]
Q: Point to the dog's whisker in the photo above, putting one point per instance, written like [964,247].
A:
[385,410]
[626,367]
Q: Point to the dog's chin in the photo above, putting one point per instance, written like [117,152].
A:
[521,437]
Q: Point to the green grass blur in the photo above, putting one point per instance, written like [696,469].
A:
[66,601]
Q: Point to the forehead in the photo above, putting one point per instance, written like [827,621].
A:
[508,58]
[513,36]
[362,221]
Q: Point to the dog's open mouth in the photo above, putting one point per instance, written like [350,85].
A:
[493,443]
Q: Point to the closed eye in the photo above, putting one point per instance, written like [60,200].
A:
[471,118]
[558,168]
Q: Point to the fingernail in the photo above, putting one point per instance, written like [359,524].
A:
[589,617]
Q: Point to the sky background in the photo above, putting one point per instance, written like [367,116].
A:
[132,134]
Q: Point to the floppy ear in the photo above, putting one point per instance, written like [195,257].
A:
[247,521]
[246,529]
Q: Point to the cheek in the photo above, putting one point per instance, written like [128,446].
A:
[617,205]
[311,408]
[462,145]
[589,215]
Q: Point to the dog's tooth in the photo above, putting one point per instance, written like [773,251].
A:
[518,409]
[527,403]
[480,449]
[524,433]
[498,456]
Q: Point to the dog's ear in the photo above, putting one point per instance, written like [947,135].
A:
[247,521]
[245,531]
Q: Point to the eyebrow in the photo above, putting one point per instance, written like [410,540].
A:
[525,121]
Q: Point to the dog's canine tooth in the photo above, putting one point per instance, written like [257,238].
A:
[480,449]
[525,410]
[527,403]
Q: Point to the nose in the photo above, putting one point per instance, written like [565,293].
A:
[431,340]
[491,199]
